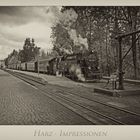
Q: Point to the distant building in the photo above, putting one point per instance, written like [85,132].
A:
[2,64]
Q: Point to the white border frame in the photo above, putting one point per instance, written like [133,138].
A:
[26,132]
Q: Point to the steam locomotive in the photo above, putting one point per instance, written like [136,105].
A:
[81,66]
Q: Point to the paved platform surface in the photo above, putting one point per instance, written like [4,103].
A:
[55,80]
[23,104]
[63,81]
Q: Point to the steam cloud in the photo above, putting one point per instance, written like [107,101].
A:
[76,70]
[78,40]
[67,19]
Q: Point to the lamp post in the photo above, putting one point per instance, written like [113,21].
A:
[38,65]
[38,56]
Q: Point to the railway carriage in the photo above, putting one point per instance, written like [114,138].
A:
[10,66]
[43,65]
[67,62]
[53,65]
[30,66]
[13,66]
[18,66]
[24,66]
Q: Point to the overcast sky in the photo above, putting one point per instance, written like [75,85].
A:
[18,23]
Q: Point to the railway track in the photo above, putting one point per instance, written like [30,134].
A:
[94,111]
[77,93]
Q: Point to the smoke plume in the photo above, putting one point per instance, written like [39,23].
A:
[78,40]
[67,19]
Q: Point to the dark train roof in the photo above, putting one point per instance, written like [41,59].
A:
[51,58]
[46,59]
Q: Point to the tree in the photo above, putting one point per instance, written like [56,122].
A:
[61,40]
[12,58]
[29,52]
[100,26]
[129,21]
[43,54]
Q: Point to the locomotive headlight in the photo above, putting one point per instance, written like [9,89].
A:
[89,68]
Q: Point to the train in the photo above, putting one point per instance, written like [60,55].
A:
[80,67]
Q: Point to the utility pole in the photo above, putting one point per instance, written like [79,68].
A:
[107,61]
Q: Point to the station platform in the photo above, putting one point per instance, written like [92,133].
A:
[54,80]
[131,81]
[132,87]
[88,90]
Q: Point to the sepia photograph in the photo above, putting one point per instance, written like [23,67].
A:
[69,65]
